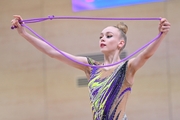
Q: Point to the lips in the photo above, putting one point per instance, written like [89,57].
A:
[102,45]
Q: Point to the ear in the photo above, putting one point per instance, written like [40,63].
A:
[121,44]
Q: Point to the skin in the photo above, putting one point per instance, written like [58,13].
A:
[111,38]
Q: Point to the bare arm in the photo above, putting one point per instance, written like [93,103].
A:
[45,48]
[140,60]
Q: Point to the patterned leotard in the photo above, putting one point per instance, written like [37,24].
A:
[109,91]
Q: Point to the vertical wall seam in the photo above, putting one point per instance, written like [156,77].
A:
[44,66]
[168,70]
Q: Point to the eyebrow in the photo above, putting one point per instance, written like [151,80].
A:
[106,33]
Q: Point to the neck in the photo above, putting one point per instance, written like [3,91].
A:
[111,58]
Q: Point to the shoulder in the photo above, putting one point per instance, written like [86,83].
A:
[92,61]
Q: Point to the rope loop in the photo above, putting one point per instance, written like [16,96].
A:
[51,17]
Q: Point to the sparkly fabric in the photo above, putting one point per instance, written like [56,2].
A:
[108,92]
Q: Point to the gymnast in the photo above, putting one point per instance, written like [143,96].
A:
[109,87]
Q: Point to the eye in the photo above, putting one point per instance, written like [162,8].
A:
[100,37]
[109,36]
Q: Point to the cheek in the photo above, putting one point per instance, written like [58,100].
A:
[113,43]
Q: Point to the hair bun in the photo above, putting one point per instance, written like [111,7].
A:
[122,27]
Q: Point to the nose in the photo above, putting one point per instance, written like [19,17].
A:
[102,39]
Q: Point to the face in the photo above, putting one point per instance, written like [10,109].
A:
[110,40]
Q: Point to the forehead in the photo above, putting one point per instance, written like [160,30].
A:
[110,29]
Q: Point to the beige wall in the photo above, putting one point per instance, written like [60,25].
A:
[36,87]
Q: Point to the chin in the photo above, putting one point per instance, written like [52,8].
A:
[104,51]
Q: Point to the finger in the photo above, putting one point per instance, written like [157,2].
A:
[167,24]
[165,27]
[15,23]
[165,31]
[19,18]
[16,16]
[12,20]
[163,20]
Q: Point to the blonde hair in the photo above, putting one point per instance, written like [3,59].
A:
[123,28]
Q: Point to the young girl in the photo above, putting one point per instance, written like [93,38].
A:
[109,87]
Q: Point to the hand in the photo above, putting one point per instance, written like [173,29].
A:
[164,26]
[17,25]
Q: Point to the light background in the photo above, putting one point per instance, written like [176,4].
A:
[36,87]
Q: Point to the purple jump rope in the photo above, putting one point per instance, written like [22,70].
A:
[85,18]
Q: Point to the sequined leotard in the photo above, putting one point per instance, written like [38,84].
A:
[109,91]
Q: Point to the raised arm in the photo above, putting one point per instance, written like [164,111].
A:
[45,48]
[140,59]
